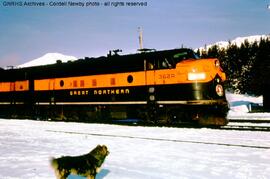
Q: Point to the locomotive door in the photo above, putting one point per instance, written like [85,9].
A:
[149,66]
[12,90]
[52,91]
[150,72]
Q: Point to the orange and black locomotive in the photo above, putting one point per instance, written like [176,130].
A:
[170,86]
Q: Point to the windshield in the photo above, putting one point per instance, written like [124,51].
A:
[184,55]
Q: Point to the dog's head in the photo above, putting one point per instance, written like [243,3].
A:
[100,153]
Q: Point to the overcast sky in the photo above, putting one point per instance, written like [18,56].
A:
[28,32]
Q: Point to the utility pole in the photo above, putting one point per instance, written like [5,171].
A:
[140,37]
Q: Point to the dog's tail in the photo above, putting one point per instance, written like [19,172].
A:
[54,163]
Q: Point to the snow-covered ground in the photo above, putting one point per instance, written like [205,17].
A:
[135,152]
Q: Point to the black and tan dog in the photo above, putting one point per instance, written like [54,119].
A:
[87,165]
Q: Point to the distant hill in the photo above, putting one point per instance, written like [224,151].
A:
[49,58]
[237,41]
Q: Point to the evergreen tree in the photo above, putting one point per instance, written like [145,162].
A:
[213,52]
[261,67]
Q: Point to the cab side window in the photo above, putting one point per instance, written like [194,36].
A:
[160,63]
[150,64]
[165,63]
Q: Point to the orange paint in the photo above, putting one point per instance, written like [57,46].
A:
[14,86]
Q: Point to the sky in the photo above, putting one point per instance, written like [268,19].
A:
[28,32]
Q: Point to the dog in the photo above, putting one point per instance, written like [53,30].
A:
[87,165]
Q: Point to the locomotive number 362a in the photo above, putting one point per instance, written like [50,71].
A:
[166,76]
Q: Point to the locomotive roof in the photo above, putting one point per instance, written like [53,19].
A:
[150,53]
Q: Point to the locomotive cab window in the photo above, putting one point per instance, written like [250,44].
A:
[165,63]
[150,64]
[160,63]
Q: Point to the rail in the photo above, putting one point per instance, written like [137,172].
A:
[251,124]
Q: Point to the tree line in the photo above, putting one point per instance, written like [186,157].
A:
[247,66]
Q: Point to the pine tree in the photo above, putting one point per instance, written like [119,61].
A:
[213,52]
[261,67]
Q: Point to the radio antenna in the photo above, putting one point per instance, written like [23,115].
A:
[140,37]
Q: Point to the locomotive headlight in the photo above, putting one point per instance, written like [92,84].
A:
[196,76]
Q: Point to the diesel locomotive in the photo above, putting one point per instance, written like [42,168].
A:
[168,87]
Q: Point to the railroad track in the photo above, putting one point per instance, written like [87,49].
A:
[248,124]
[245,127]
[161,139]
[251,120]
[234,124]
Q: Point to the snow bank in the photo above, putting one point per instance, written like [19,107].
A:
[240,106]
[234,98]
[242,103]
